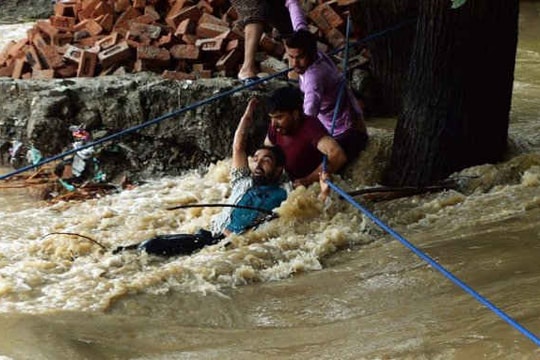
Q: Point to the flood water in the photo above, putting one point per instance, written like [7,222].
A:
[320,282]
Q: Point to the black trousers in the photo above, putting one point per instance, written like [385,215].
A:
[179,244]
[175,244]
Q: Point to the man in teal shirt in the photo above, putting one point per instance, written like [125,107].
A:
[256,190]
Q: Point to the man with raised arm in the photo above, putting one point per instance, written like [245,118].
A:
[257,189]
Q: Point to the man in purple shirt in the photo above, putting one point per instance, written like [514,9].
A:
[320,81]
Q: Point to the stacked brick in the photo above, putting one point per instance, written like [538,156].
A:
[182,39]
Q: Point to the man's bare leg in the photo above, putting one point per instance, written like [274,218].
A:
[252,33]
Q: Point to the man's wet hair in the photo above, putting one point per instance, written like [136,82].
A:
[286,98]
[304,40]
[277,152]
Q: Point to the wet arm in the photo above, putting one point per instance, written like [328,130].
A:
[239,157]
[298,18]
[336,159]
[312,85]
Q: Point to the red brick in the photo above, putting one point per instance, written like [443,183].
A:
[227,36]
[230,15]
[87,64]
[66,9]
[176,8]
[121,5]
[205,6]
[65,23]
[230,61]
[106,22]
[107,41]
[16,48]
[87,9]
[210,45]
[198,67]
[325,17]
[73,53]
[271,46]
[32,57]
[185,51]
[150,11]
[46,74]
[136,43]
[45,27]
[50,56]
[122,23]
[68,70]
[186,26]
[271,65]
[144,19]
[91,25]
[139,4]
[48,53]
[141,31]
[88,41]
[154,53]
[148,65]
[177,75]
[211,19]
[335,38]
[18,68]
[192,12]
[102,8]
[165,39]
[346,2]
[114,54]
[62,39]
[233,44]
[7,70]
[210,30]
[204,74]
[189,39]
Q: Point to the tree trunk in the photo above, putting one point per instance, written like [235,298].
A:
[390,53]
[458,96]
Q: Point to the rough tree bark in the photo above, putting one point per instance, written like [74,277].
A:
[390,53]
[458,95]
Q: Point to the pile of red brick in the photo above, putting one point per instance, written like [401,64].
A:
[182,39]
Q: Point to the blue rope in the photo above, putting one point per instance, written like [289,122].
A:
[435,265]
[342,86]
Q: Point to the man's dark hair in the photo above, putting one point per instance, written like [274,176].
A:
[304,40]
[277,151]
[286,98]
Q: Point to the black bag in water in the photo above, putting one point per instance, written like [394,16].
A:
[174,244]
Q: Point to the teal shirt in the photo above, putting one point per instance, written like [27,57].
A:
[265,197]
[241,185]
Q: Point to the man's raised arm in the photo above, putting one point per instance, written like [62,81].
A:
[239,156]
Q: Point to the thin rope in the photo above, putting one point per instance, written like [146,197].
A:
[75,234]
[261,210]
[342,87]
[435,265]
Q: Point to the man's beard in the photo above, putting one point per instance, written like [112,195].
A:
[260,180]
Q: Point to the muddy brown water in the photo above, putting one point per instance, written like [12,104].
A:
[320,282]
